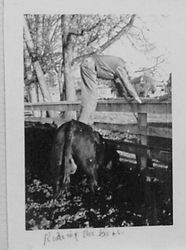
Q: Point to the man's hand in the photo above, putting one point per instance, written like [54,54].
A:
[138,100]
[130,99]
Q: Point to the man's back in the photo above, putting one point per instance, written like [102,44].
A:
[107,65]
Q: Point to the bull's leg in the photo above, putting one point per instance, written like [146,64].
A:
[93,179]
[66,180]
[57,188]
[93,184]
[69,169]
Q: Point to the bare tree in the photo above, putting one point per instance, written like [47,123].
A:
[40,76]
[95,33]
[61,42]
[85,35]
[67,53]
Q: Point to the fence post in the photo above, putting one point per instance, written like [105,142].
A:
[149,195]
[142,124]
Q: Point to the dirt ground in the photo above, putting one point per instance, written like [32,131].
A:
[125,197]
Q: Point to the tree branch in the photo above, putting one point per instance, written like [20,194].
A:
[151,67]
[54,33]
[107,43]
[92,39]
[117,36]
[81,33]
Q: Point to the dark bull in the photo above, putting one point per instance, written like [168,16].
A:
[76,145]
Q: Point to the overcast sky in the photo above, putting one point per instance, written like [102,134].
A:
[158,33]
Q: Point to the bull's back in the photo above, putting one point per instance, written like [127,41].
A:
[88,147]
[76,145]
[83,143]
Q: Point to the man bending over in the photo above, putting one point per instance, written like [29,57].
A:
[104,67]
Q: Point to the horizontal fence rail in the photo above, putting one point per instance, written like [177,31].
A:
[153,129]
[109,105]
[161,155]
[141,128]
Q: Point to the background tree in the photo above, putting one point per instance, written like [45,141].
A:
[82,36]
[36,65]
[61,42]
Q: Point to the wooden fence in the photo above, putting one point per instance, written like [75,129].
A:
[144,130]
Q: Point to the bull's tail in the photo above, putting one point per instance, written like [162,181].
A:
[70,166]
[57,158]
[62,162]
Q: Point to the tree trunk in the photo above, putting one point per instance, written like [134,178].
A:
[61,84]
[67,59]
[40,76]
[31,87]
[39,38]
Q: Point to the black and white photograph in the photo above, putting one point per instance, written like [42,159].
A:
[92,126]
[97,121]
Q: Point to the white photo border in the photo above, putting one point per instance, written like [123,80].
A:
[157,237]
